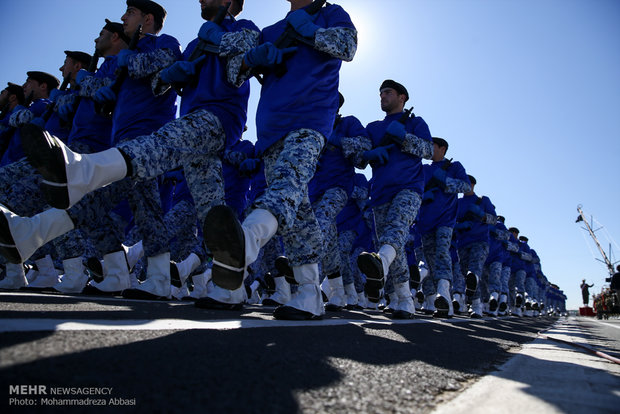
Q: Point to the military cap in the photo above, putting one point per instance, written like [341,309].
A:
[150,7]
[117,28]
[440,142]
[389,83]
[44,77]
[16,90]
[82,57]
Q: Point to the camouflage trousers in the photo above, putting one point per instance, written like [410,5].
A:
[183,230]
[289,166]
[472,258]
[505,278]
[531,287]
[458,281]
[143,197]
[326,209]
[359,279]
[491,279]
[192,142]
[392,221]
[348,267]
[436,247]
[517,284]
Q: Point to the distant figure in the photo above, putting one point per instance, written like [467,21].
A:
[585,291]
[615,285]
[615,280]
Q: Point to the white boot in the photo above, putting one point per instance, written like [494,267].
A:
[416,302]
[157,283]
[457,301]
[336,296]
[220,298]
[134,253]
[423,272]
[361,299]
[30,233]
[258,227]
[46,275]
[14,278]
[234,246]
[84,173]
[476,309]
[404,308]
[494,303]
[503,299]
[179,293]
[351,295]
[200,284]
[254,297]
[74,280]
[308,303]
[184,268]
[387,254]
[443,301]
[389,307]
[516,311]
[282,294]
[429,305]
[326,287]
[116,277]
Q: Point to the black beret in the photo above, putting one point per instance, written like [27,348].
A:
[16,90]
[44,77]
[389,83]
[117,28]
[501,219]
[82,57]
[341,100]
[472,179]
[440,142]
[149,7]
[523,238]
[513,230]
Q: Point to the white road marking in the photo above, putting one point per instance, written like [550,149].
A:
[41,324]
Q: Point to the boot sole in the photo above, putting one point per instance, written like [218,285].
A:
[333,308]
[271,303]
[95,269]
[91,290]
[175,278]
[471,284]
[208,303]
[288,313]
[368,265]
[225,239]
[284,268]
[141,294]
[45,154]
[401,314]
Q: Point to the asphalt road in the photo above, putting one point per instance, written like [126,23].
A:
[173,357]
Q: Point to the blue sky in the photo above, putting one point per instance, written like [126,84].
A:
[527,93]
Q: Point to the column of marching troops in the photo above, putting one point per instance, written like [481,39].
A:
[105,191]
